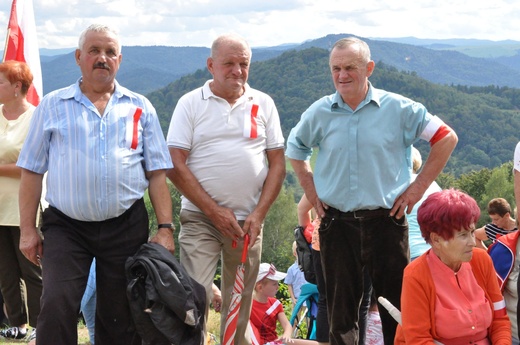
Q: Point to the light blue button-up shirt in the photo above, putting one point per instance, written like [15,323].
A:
[96,164]
[364,157]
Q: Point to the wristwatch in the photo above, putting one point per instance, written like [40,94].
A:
[167,226]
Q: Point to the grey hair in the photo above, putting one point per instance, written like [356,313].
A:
[364,49]
[232,39]
[98,28]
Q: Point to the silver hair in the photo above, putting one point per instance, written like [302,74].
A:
[364,49]
[98,28]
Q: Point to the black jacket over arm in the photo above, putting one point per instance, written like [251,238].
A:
[167,305]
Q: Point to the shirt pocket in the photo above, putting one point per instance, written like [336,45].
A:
[468,321]
[132,136]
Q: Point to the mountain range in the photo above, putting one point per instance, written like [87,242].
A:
[478,97]
[449,62]
[485,118]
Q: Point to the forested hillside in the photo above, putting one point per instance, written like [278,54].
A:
[148,68]
[486,119]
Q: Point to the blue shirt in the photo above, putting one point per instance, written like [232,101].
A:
[296,278]
[364,157]
[418,245]
[96,164]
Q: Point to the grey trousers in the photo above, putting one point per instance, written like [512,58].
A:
[201,247]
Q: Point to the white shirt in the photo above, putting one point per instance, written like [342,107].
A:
[227,155]
[12,137]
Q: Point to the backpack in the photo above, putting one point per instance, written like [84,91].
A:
[304,255]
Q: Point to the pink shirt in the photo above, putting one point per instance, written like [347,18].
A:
[462,311]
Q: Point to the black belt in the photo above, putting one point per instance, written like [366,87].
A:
[379,212]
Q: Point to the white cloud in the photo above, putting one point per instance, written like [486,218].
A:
[270,22]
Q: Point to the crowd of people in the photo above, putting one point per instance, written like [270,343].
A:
[99,148]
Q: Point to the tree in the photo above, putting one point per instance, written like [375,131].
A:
[474,183]
[445,180]
[499,185]
[278,233]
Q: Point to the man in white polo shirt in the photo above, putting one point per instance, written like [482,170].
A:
[227,149]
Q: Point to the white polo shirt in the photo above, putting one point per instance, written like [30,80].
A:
[227,144]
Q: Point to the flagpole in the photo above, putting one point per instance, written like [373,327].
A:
[6,41]
[8,30]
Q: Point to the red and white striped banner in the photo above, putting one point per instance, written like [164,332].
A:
[21,44]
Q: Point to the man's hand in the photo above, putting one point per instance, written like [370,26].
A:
[253,226]
[225,221]
[407,200]
[320,207]
[164,237]
[31,245]
[216,300]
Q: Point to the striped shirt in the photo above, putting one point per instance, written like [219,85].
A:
[96,164]
[492,231]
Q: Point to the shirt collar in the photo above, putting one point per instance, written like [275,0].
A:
[440,266]
[372,96]
[74,91]
[206,92]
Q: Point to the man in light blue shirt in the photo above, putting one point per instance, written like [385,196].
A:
[361,183]
[101,146]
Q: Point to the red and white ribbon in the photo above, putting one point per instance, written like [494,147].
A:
[132,127]
[250,121]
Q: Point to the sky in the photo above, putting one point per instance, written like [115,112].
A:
[268,22]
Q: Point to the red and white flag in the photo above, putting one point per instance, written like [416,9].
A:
[21,44]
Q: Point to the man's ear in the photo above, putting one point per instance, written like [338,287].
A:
[76,55]
[370,68]
[209,64]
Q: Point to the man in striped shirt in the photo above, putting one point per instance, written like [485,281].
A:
[102,147]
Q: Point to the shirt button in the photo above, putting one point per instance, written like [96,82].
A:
[472,327]
[469,311]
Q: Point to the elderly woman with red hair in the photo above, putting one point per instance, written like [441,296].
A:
[22,301]
[450,293]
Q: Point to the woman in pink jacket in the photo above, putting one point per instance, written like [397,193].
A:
[450,293]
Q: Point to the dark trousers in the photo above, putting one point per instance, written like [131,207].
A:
[68,249]
[322,322]
[349,244]
[20,280]
[364,306]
